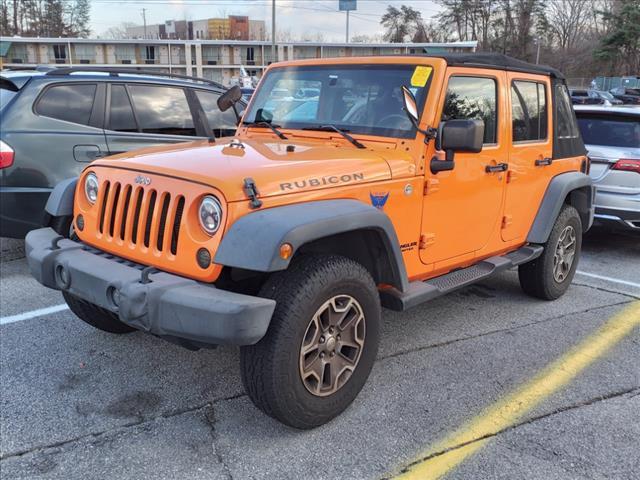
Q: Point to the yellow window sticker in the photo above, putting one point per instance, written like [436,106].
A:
[420,76]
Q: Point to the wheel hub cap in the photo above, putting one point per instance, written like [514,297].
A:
[564,254]
[332,345]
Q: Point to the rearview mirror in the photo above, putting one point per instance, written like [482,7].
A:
[229,98]
[410,106]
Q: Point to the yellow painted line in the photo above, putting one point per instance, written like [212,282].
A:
[503,414]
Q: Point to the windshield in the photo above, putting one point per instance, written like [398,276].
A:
[364,99]
[614,131]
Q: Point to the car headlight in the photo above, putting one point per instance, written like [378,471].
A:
[91,187]
[210,214]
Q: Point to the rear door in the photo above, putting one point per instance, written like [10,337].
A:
[142,115]
[219,124]
[530,164]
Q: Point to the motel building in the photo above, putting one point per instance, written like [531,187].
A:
[218,60]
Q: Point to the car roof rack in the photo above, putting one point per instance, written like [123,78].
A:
[115,71]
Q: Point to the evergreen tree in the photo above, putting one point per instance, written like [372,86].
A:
[621,46]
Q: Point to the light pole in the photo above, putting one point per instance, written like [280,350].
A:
[347,40]
[273,31]
[538,51]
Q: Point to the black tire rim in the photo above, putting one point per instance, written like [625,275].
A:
[332,345]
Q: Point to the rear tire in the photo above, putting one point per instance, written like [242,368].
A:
[96,316]
[548,277]
[327,313]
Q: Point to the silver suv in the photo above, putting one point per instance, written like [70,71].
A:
[612,137]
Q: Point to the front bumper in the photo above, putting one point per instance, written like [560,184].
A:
[166,305]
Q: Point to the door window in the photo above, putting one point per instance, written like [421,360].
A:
[72,103]
[528,111]
[473,98]
[162,110]
[121,117]
[221,123]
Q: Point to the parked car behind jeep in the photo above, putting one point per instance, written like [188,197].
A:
[628,96]
[612,137]
[585,97]
[54,122]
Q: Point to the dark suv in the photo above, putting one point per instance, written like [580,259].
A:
[53,122]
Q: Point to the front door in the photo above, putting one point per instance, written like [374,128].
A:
[462,207]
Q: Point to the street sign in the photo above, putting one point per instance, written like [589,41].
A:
[347,5]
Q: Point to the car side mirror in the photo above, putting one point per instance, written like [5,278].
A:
[410,106]
[229,99]
[457,136]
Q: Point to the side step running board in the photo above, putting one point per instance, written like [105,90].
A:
[419,292]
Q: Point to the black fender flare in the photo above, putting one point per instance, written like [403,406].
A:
[60,202]
[253,241]
[576,186]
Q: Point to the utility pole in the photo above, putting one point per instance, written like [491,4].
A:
[538,52]
[347,40]
[144,20]
[273,31]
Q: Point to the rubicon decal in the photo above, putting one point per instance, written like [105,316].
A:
[379,199]
[322,181]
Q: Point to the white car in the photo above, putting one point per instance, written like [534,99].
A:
[612,137]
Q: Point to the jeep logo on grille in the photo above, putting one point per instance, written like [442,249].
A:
[142,180]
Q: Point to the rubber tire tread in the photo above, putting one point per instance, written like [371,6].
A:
[96,316]
[536,277]
[290,289]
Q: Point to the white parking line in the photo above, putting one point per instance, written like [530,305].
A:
[33,314]
[609,279]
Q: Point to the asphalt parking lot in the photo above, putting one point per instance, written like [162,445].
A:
[77,403]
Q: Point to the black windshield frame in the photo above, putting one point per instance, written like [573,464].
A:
[261,96]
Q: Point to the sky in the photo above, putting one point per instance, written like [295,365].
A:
[300,17]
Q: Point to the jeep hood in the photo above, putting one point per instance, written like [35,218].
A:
[277,167]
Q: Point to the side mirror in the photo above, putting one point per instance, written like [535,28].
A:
[229,99]
[410,106]
[457,136]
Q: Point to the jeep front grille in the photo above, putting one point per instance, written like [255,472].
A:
[141,216]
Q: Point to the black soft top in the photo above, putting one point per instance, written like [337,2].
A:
[496,61]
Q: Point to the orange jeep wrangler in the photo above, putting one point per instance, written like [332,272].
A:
[350,184]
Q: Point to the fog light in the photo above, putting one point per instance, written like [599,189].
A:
[63,277]
[203,257]
[80,222]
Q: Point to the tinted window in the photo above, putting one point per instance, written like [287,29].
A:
[473,98]
[528,111]
[362,99]
[162,110]
[121,116]
[565,123]
[5,97]
[221,123]
[611,130]
[72,103]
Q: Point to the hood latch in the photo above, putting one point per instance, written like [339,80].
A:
[251,191]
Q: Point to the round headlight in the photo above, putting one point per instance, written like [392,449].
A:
[210,214]
[91,187]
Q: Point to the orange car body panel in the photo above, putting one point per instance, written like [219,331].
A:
[443,221]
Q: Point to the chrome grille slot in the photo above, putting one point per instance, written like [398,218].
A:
[125,211]
[175,231]
[163,219]
[149,217]
[103,207]
[114,208]
[136,216]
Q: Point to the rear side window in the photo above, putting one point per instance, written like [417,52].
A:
[473,98]
[528,111]
[162,110]
[221,123]
[565,124]
[72,103]
[121,117]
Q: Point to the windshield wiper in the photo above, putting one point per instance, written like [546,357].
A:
[333,128]
[274,128]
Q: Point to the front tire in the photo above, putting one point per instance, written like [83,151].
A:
[548,277]
[96,316]
[321,343]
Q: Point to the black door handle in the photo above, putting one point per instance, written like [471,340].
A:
[500,167]
[544,162]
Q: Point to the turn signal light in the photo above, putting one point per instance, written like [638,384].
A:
[627,164]
[6,155]
[285,251]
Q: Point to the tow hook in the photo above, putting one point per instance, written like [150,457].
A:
[251,191]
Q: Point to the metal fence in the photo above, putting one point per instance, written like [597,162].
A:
[604,83]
